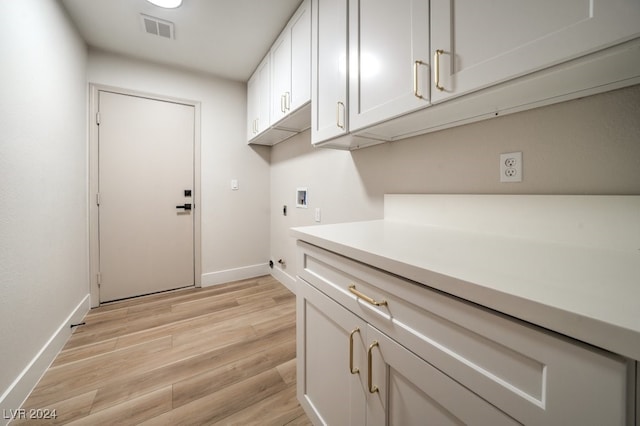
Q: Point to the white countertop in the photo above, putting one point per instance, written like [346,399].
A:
[589,293]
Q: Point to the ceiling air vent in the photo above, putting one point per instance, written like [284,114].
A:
[158,27]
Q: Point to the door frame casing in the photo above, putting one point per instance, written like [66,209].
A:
[94,242]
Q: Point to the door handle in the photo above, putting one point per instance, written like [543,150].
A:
[186,207]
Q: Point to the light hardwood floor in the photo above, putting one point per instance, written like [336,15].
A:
[219,355]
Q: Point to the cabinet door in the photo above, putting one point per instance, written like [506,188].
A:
[264,95]
[388,59]
[258,100]
[281,73]
[483,43]
[252,106]
[329,69]
[291,65]
[409,391]
[300,57]
[328,389]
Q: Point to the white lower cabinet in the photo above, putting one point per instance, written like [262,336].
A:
[376,349]
[328,391]
[409,391]
[355,375]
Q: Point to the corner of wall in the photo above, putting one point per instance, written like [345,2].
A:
[285,279]
[17,393]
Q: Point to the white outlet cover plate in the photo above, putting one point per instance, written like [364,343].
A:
[513,173]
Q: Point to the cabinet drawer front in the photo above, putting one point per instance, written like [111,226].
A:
[533,375]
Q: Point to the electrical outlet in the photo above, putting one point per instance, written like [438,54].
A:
[511,167]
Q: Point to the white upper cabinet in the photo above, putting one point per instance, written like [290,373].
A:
[415,66]
[291,68]
[281,83]
[477,44]
[388,59]
[279,91]
[301,57]
[259,131]
[258,100]
[329,69]
[252,106]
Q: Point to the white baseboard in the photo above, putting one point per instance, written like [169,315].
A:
[228,275]
[287,280]
[16,394]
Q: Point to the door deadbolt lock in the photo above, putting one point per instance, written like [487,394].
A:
[185,206]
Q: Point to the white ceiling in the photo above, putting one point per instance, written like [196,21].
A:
[226,38]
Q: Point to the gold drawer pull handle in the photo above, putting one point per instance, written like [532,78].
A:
[351,369]
[372,389]
[436,68]
[416,64]
[352,289]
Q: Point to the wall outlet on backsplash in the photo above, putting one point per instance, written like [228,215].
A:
[511,167]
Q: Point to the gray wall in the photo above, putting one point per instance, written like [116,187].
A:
[43,184]
[586,146]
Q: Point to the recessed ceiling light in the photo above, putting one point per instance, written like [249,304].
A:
[167,4]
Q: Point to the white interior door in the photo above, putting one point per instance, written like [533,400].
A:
[146,160]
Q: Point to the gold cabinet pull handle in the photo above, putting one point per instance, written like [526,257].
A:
[372,389]
[352,289]
[338,115]
[416,64]
[436,68]
[351,369]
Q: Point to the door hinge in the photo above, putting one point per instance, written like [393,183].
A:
[98,118]
[99,276]
[97,199]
